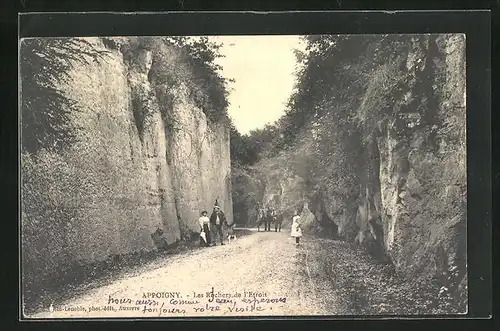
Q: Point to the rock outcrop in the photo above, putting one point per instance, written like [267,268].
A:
[146,161]
[395,180]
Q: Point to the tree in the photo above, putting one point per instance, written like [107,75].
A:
[238,147]
[201,53]
[45,63]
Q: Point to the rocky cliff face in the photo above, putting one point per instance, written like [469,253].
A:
[418,192]
[142,168]
[423,176]
[398,184]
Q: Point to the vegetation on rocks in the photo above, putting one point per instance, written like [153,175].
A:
[102,172]
[364,287]
[371,149]
[45,108]
[371,130]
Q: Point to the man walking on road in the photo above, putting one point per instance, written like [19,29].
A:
[218,219]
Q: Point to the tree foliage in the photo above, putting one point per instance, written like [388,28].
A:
[45,63]
[242,153]
[345,81]
[346,87]
[211,94]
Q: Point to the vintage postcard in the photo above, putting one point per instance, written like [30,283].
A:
[244,175]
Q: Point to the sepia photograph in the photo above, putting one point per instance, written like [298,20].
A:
[243,175]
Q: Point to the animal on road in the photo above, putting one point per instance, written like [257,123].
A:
[278,220]
[264,218]
[230,233]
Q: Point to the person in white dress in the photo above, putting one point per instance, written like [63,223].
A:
[296,230]
[205,229]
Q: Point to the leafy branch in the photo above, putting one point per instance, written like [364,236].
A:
[45,110]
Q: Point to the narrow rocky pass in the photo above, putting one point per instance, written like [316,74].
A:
[285,280]
[364,152]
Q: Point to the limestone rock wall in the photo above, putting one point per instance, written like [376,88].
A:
[135,180]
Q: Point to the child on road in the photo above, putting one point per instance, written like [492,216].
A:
[296,230]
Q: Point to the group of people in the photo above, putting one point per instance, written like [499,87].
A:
[214,225]
[269,215]
[217,221]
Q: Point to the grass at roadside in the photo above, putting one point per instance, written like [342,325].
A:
[367,287]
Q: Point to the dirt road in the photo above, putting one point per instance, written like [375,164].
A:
[283,280]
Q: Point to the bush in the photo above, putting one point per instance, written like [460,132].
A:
[46,181]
